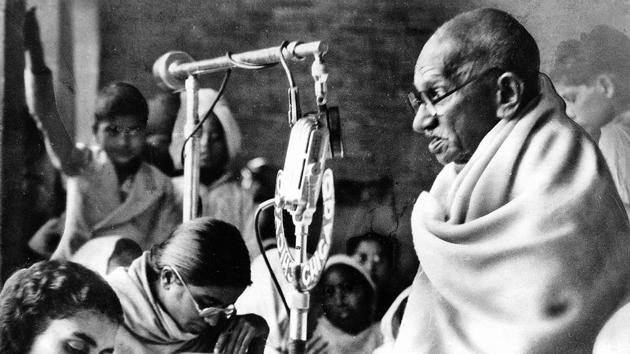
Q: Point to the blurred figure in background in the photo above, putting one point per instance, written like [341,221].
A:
[58,307]
[592,74]
[163,109]
[376,253]
[348,300]
[221,194]
[259,178]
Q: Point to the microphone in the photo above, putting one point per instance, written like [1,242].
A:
[297,190]
[174,67]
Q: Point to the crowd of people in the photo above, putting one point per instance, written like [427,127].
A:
[523,239]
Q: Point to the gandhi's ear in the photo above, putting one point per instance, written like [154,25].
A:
[605,83]
[509,95]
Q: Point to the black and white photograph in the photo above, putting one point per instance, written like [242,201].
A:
[315,176]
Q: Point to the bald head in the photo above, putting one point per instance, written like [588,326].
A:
[476,69]
[482,39]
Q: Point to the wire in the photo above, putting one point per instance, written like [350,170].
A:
[284,64]
[207,115]
[263,206]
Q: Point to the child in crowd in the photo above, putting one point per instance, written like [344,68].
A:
[56,307]
[348,297]
[110,189]
[375,253]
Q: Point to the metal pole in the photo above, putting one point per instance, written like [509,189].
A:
[257,57]
[174,67]
[191,161]
[300,301]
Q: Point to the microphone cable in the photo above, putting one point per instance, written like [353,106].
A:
[240,65]
[264,206]
[285,65]
[207,115]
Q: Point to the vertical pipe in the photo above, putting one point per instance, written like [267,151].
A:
[191,151]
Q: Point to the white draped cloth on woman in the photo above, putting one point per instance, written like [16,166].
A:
[148,327]
[525,249]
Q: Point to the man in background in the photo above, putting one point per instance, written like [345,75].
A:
[592,74]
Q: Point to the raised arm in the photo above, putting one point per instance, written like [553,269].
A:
[41,100]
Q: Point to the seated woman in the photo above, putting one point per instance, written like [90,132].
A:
[348,298]
[179,296]
[58,307]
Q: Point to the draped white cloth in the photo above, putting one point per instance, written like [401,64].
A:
[525,249]
[340,342]
[96,253]
[148,328]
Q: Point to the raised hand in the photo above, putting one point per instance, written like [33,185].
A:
[32,42]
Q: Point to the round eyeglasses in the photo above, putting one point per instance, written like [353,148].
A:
[415,100]
[209,311]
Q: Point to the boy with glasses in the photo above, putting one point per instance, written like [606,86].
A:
[110,189]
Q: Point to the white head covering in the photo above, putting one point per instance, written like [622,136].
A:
[349,261]
[96,253]
[223,113]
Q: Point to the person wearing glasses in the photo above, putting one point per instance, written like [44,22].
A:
[179,296]
[110,189]
[522,239]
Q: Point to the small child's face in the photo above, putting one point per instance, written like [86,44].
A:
[587,104]
[372,258]
[346,299]
[122,138]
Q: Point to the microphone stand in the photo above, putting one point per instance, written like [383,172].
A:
[179,71]
[313,139]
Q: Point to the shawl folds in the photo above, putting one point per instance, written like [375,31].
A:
[340,342]
[148,328]
[523,249]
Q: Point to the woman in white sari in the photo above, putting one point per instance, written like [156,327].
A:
[179,296]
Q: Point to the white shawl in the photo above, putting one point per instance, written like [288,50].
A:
[148,328]
[524,249]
